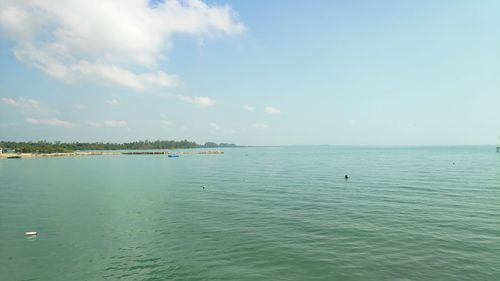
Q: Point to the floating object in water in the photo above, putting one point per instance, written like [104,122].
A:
[346,177]
[203,187]
[14,157]
[173,155]
[31,233]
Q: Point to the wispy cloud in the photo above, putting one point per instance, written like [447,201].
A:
[29,106]
[165,120]
[260,126]
[167,123]
[109,124]
[113,102]
[247,108]
[218,128]
[6,125]
[94,124]
[105,42]
[215,126]
[272,110]
[50,122]
[108,73]
[199,101]
[78,106]
[22,103]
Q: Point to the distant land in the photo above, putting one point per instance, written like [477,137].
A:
[63,147]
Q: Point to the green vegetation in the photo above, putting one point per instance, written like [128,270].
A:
[54,147]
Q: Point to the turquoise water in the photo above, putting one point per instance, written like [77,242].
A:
[269,213]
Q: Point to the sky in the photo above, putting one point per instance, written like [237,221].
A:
[251,72]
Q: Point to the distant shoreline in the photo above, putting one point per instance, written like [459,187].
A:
[45,147]
[105,153]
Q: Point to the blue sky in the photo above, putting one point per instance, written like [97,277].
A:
[251,72]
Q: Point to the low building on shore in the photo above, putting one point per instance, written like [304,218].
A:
[7,150]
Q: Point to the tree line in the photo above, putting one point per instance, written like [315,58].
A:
[57,146]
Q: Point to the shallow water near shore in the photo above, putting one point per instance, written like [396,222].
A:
[267,213]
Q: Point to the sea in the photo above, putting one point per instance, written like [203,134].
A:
[255,213]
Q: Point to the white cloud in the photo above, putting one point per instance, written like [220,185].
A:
[50,122]
[22,103]
[199,101]
[107,41]
[78,106]
[115,123]
[215,126]
[113,102]
[94,124]
[29,106]
[114,74]
[260,126]
[218,128]
[165,120]
[109,123]
[272,110]
[167,123]
[247,108]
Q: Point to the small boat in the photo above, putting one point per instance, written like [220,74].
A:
[14,157]
[173,155]
[31,233]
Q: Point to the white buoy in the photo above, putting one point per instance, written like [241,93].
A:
[31,233]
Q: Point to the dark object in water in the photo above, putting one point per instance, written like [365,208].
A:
[346,177]
[14,157]
[173,155]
